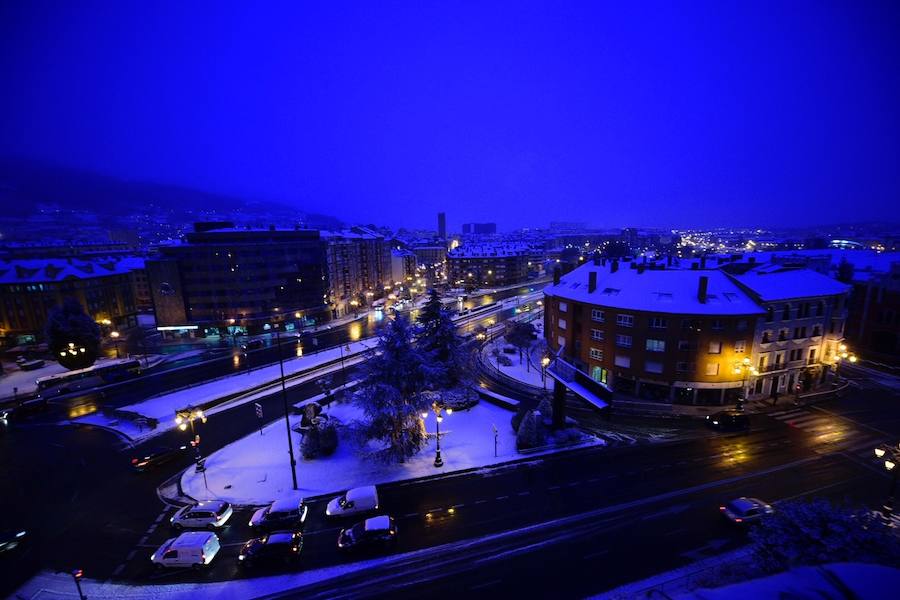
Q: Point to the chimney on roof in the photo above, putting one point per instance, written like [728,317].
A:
[703,262]
[556,275]
[614,266]
[701,292]
[592,281]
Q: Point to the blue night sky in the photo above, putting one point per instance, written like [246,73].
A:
[718,113]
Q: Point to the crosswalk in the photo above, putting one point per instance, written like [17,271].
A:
[831,430]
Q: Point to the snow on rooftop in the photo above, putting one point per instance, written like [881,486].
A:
[378,523]
[655,290]
[771,285]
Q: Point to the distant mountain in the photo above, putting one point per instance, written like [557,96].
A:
[26,185]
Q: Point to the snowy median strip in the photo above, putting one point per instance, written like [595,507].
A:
[258,383]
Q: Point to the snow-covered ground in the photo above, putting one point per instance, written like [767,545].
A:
[163,407]
[14,377]
[256,467]
[521,371]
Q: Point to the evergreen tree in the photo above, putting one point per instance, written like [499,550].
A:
[431,312]
[439,339]
[69,324]
[817,532]
[391,394]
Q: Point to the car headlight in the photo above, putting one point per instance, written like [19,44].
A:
[241,557]
[153,556]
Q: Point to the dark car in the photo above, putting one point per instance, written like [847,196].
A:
[252,345]
[280,547]
[283,514]
[25,410]
[376,533]
[156,457]
[728,420]
[12,539]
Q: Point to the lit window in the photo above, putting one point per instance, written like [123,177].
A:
[623,361]
[712,368]
[656,345]
[597,334]
[653,367]
[562,323]
[715,347]
[740,346]
[563,307]
[623,341]
[596,354]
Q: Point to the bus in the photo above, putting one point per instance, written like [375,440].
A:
[466,312]
[91,377]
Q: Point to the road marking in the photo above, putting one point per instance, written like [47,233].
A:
[573,483]
[818,489]
[501,498]
[485,584]
[523,493]
[130,556]
[553,487]
[118,570]
[455,506]
[161,516]
[409,515]
[152,529]
[143,540]
[595,479]
[799,422]
[595,554]
[480,501]
[861,424]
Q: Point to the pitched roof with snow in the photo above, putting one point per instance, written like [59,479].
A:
[771,285]
[655,290]
[48,270]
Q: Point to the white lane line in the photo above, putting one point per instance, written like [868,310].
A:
[553,487]
[502,498]
[573,483]
[457,506]
[130,556]
[161,516]
[485,584]
[810,419]
[594,479]
[152,529]
[595,554]
[143,540]
[480,501]
[119,570]
[410,515]
[523,493]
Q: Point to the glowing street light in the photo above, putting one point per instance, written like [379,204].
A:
[438,409]
[889,456]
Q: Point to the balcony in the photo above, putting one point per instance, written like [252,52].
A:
[579,382]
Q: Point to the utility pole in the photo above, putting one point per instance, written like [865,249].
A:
[287,421]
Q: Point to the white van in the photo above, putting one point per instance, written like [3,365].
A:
[192,549]
[357,500]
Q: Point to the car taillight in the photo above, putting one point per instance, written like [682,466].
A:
[738,520]
[134,461]
[721,508]
[202,558]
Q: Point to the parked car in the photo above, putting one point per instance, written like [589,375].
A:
[355,501]
[156,457]
[378,532]
[286,513]
[25,410]
[210,515]
[728,420]
[252,345]
[12,539]
[191,549]
[277,547]
[745,510]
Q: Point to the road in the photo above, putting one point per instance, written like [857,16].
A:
[657,502]
[232,360]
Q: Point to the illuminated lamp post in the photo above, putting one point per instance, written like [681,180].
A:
[890,457]
[438,409]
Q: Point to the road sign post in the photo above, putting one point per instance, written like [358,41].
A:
[259,415]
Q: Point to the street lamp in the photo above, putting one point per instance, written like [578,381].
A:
[438,417]
[889,457]
[115,336]
[744,369]
[544,363]
[287,422]
[355,305]
[842,354]
[186,416]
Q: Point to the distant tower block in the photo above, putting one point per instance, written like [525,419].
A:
[442,225]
